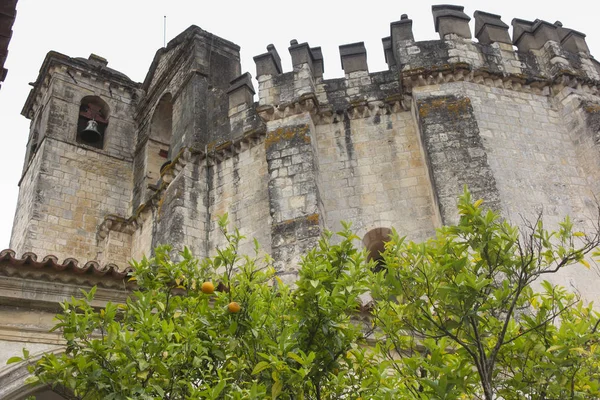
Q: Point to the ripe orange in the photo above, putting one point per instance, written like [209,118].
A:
[208,288]
[233,307]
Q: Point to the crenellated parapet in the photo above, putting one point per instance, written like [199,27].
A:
[546,54]
[305,90]
[539,55]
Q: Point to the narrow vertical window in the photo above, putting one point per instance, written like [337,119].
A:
[159,141]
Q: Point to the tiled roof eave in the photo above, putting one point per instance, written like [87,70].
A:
[108,274]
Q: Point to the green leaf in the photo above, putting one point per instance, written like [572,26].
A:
[276,389]
[158,390]
[142,374]
[554,348]
[296,358]
[32,380]
[260,367]
[218,389]
[13,360]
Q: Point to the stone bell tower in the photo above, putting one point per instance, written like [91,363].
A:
[78,163]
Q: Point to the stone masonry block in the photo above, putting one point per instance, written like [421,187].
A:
[489,28]
[451,19]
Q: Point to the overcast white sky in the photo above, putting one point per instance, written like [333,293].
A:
[128,33]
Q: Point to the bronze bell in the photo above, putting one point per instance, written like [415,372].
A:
[91,134]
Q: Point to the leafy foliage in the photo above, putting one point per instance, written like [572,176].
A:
[454,317]
[171,340]
[464,301]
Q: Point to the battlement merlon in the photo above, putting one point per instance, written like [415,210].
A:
[449,19]
[546,54]
[243,119]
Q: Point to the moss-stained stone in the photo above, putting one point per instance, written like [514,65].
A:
[455,152]
[297,133]
[293,192]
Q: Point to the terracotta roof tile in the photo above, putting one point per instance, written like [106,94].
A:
[69,265]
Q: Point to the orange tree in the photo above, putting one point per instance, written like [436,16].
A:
[453,317]
[460,319]
[251,338]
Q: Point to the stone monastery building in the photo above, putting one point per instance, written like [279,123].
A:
[114,167]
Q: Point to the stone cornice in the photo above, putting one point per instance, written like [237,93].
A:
[459,72]
[308,103]
[463,73]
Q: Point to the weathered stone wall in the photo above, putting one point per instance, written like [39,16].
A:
[141,241]
[26,327]
[454,149]
[538,166]
[374,175]
[72,185]
[519,127]
[24,228]
[154,160]
[64,96]
[238,186]
[192,74]
[531,154]
[166,76]
[194,70]
[30,293]
[365,157]
[580,113]
[75,189]
[117,248]
[294,194]
[181,215]
[526,151]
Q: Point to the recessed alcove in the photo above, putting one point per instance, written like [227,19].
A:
[374,241]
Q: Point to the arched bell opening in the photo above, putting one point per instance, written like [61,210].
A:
[159,141]
[92,122]
[374,241]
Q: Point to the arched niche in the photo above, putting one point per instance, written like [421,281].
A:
[92,121]
[374,241]
[159,141]
[161,125]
